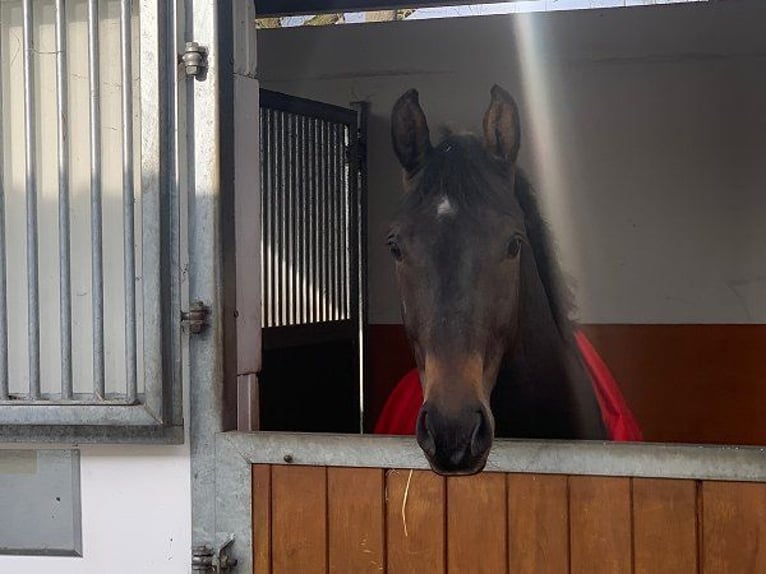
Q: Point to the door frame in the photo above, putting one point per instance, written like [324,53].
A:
[223,139]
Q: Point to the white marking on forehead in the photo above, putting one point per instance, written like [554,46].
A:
[445,208]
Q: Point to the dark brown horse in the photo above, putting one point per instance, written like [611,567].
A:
[483,306]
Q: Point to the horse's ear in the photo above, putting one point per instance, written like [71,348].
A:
[502,126]
[409,132]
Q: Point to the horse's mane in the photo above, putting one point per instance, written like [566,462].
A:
[460,158]
[556,288]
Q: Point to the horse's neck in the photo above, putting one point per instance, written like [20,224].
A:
[543,389]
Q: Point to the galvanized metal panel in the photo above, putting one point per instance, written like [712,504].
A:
[129,337]
[747,464]
[40,498]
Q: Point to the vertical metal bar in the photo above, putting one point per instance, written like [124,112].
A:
[330,152]
[283,220]
[342,219]
[296,222]
[344,222]
[97,278]
[339,159]
[264,214]
[304,208]
[300,216]
[290,217]
[319,222]
[311,193]
[322,152]
[333,227]
[318,215]
[357,182]
[129,245]
[274,226]
[65,284]
[4,390]
[273,201]
[272,223]
[33,308]
[330,223]
[337,153]
[328,216]
[277,220]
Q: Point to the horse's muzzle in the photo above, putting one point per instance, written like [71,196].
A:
[458,442]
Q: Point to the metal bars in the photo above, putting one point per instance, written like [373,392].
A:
[4,386]
[33,288]
[65,282]
[34,235]
[97,258]
[305,201]
[89,343]
[129,243]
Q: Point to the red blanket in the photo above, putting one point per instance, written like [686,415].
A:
[401,410]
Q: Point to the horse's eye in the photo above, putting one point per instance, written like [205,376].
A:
[396,252]
[514,246]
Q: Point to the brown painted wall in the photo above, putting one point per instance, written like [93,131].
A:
[351,520]
[685,383]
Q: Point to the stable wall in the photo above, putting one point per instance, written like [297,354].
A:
[136,514]
[642,129]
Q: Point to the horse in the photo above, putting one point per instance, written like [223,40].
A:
[485,310]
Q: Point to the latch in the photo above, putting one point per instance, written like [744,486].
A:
[194,60]
[205,559]
[197,317]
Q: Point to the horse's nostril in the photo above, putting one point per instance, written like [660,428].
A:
[481,437]
[425,434]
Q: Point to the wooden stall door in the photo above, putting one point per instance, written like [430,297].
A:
[356,521]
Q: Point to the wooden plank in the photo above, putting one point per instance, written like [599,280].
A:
[261,519]
[299,519]
[665,526]
[734,528]
[538,524]
[415,530]
[599,525]
[356,520]
[477,538]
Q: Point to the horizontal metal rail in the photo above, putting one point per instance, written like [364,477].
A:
[651,460]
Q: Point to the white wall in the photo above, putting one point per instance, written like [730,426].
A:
[136,515]
[644,131]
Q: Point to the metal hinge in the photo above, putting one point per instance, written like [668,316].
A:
[196,318]
[205,559]
[194,60]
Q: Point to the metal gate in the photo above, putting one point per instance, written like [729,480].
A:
[311,265]
[89,222]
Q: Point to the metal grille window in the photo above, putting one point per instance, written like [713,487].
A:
[308,212]
[88,222]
